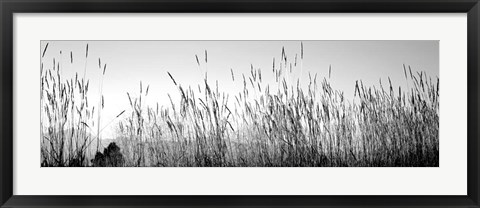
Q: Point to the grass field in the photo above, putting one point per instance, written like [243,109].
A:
[280,124]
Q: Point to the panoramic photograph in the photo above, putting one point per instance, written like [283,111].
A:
[264,103]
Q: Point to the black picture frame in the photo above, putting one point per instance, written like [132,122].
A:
[9,7]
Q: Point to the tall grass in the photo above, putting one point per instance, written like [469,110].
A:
[280,124]
[66,116]
[285,125]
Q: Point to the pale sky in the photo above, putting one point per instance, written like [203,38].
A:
[129,62]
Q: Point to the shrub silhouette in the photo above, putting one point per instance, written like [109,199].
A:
[111,157]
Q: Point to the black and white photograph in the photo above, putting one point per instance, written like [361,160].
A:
[239,103]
